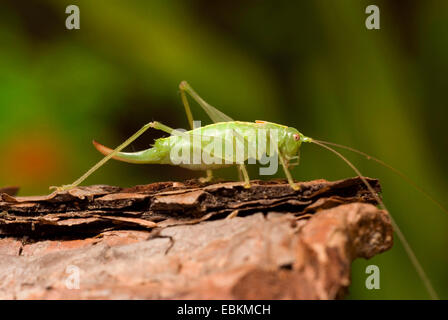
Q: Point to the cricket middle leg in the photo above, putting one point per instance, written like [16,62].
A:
[245,176]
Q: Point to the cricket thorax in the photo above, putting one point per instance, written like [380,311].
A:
[225,143]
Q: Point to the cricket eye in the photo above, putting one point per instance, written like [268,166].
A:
[296,137]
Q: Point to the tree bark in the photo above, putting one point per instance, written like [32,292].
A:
[175,240]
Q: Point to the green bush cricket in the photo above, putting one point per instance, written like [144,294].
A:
[226,131]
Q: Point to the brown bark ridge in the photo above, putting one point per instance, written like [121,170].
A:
[173,240]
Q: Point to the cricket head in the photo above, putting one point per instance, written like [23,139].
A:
[292,143]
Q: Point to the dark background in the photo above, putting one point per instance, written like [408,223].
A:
[312,65]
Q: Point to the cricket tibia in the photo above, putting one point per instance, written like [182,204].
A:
[151,155]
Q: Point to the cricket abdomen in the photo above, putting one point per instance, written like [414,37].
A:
[213,146]
[158,154]
[223,144]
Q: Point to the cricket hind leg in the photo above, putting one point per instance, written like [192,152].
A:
[154,124]
[183,86]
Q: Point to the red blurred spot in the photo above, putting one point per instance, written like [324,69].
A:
[31,158]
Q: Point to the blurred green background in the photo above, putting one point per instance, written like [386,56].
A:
[312,65]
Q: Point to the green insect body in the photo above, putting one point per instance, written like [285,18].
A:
[288,139]
[226,131]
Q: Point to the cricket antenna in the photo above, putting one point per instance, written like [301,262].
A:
[396,171]
[415,262]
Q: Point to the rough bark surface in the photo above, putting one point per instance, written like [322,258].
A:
[175,240]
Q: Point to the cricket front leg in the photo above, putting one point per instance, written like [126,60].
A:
[291,182]
[154,124]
